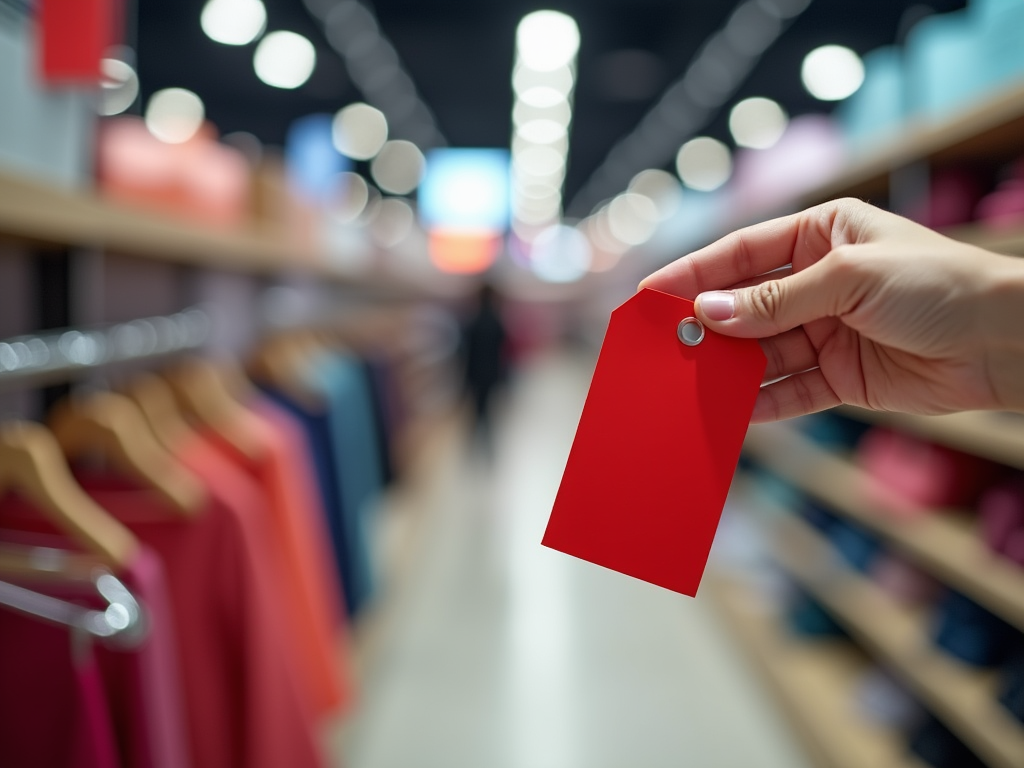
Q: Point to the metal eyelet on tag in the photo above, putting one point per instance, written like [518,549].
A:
[690,331]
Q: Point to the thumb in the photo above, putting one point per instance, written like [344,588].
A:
[775,305]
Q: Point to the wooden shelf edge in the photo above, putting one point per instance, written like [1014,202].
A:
[40,214]
[959,695]
[935,541]
[812,681]
[994,436]
[998,114]
[946,139]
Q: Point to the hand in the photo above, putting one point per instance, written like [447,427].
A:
[856,305]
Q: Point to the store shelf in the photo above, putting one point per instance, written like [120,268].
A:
[961,696]
[41,214]
[1008,241]
[994,436]
[992,128]
[941,542]
[814,680]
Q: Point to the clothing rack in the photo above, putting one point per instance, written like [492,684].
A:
[63,354]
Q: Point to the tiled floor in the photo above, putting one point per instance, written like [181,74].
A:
[498,653]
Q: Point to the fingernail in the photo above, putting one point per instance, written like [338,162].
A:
[717,305]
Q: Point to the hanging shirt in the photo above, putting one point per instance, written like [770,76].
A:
[239,677]
[316,429]
[52,685]
[298,535]
[340,379]
[92,739]
[44,699]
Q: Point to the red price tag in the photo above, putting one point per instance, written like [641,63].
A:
[657,445]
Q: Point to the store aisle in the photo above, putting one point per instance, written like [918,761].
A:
[497,652]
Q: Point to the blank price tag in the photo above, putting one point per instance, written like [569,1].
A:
[657,445]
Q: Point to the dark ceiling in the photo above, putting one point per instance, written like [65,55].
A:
[459,53]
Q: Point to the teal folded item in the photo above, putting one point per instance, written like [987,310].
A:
[1000,25]
[879,107]
[943,70]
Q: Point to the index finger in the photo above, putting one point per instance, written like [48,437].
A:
[748,253]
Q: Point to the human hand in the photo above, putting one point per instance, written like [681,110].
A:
[856,305]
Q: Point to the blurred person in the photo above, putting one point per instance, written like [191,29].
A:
[855,305]
[483,352]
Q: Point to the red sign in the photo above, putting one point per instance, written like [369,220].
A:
[74,35]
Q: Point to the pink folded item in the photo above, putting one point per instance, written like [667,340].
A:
[910,476]
[1001,514]
[1004,208]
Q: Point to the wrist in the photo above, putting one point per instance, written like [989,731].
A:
[1002,331]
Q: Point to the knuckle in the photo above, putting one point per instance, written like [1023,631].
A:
[766,299]
[843,262]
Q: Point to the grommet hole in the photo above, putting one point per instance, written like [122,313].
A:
[690,331]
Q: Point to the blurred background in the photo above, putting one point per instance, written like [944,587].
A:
[299,305]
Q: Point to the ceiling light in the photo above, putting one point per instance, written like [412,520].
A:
[542,96]
[539,161]
[174,115]
[355,194]
[561,113]
[607,249]
[119,87]
[542,131]
[284,60]
[392,223]
[561,145]
[538,216]
[661,188]
[757,123]
[398,168]
[233,22]
[547,205]
[560,254]
[534,191]
[832,72]
[359,131]
[561,79]
[554,177]
[632,218]
[704,163]
[547,40]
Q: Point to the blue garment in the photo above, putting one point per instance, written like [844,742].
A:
[342,381]
[385,407]
[317,429]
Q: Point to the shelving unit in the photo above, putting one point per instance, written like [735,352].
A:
[963,697]
[988,132]
[941,542]
[1009,241]
[814,680]
[997,437]
[43,215]
[39,213]
[991,128]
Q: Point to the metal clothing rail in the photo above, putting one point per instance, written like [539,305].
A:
[122,621]
[63,354]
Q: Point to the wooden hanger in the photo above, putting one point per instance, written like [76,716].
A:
[208,393]
[281,362]
[112,426]
[31,463]
[155,399]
